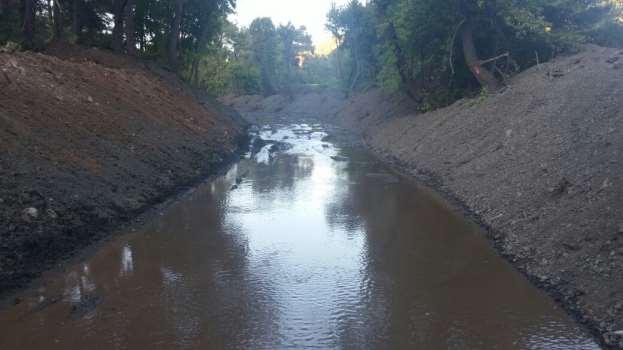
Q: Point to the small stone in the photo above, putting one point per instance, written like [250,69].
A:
[561,187]
[90,99]
[571,246]
[339,158]
[30,214]
[51,213]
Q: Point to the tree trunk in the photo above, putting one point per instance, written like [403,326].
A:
[75,19]
[58,20]
[194,72]
[401,63]
[174,34]
[355,74]
[28,28]
[50,6]
[130,35]
[4,6]
[486,79]
[338,58]
[117,31]
[391,37]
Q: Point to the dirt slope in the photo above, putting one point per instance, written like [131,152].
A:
[85,146]
[302,106]
[540,164]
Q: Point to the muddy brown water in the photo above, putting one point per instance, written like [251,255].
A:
[315,246]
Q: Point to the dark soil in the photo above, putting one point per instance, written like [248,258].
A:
[539,165]
[88,142]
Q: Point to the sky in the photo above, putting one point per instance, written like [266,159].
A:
[309,13]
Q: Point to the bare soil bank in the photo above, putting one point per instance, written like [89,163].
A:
[88,143]
[540,165]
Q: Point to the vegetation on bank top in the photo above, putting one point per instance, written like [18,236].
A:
[439,50]
[434,50]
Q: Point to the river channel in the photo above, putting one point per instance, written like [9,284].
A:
[304,243]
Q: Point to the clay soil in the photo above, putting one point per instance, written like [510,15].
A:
[87,142]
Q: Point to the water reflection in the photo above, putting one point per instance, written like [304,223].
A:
[127,265]
[313,246]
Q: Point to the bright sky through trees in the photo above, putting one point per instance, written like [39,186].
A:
[309,13]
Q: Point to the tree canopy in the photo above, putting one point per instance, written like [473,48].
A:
[176,30]
[437,50]
[434,50]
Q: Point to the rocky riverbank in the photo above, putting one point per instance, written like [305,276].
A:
[539,166]
[88,142]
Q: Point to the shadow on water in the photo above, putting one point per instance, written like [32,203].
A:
[309,245]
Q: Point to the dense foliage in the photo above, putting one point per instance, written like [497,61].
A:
[178,31]
[434,50]
[439,50]
[263,58]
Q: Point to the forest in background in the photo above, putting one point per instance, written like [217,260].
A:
[435,51]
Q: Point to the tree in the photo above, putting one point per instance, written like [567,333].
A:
[294,43]
[355,28]
[264,51]
[59,19]
[174,33]
[117,31]
[128,18]
[28,28]
[439,50]
[76,25]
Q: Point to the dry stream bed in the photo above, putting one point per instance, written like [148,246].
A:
[304,243]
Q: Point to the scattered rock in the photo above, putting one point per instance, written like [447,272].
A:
[51,213]
[87,304]
[339,158]
[6,78]
[613,59]
[10,47]
[280,147]
[571,246]
[613,338]
[560,188]
[30,214]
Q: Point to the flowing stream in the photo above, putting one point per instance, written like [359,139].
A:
[302,244]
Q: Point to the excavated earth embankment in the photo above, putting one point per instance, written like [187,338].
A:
[88,142]
[540,165]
